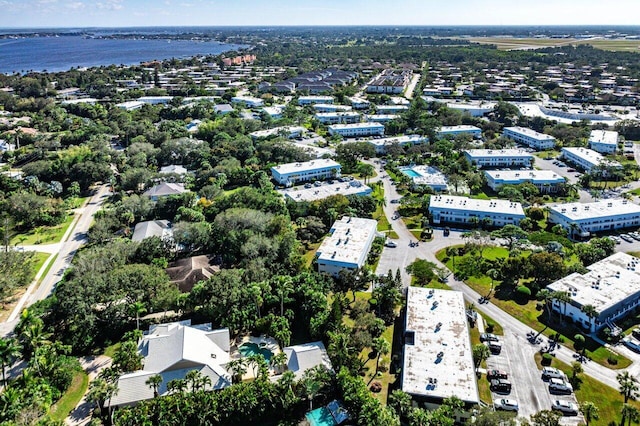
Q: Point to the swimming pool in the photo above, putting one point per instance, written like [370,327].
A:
[248,349]
[321,417]
[410,172]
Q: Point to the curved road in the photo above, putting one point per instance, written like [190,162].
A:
[75,237]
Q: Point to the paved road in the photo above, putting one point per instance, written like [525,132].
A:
[76,237]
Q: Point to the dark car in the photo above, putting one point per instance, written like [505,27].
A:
[500,386]
[446,231]
[497,374]
[489,337]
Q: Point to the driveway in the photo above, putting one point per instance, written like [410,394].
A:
[81,415]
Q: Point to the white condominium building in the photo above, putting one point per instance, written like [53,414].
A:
[529,137]
[437,360]
[545,180]
[603,141]
[248,101]
[356,129]
[348,245]
[583,219]
[462,210]
[338,117]
[292,173]
[493,158]
[474,131]
[611,286]
[586,158]
[310,100]
[381,145]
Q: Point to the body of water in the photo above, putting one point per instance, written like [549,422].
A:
[65,52]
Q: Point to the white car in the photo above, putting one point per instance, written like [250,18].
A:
[390,244]
[565,407]
[560,386]
[552,373]
[505,404]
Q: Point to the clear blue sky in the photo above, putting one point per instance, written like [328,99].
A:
[123,13]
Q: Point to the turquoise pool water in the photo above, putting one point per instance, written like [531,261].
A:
[248,349]
[410,172]
[321,417]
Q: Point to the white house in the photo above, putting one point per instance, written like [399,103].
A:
[493,158]
[462,210]
[357,129]
[611,286]
[586,158]
[130,105]
[248,101]
[165,189]
[359,103]
[348,245]
[529,137]
[603,141]
[173,169]
[292,173]
[152,228]
[437,359]
[583,219]
[171,351]
[306,356]
[274,112]
[545,180]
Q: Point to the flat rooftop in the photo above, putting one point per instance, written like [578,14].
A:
[529,175]
[525,131]
[481,206]
[300,193]
[461,128]
[306,166]
[607,283]
[276,130]
[604,136]
[356,126]
[589,155]
[597,209]
[439,363]
[337,114]
[349,240]
[486,153]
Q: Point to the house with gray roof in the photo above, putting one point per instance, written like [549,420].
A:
[172,350]
[301,358]
[173,168]
[153,228]
[164,189]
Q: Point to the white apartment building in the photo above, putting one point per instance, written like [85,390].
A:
[391,109]
[356,129]
[611,286]
[473,131]
[603,141]
[583,219]
[348,245]
[437,359]
[286,131]
[493,158]
[359,103]
[462,210]
[381,118]
[292,173]
[380,145]
[310,100]
[338,117]
[248,101]
[586,158]
[546,181]
[330,108]
[529,137]
[325,190]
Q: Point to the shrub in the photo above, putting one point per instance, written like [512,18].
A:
[612,359]
[490,327]
[546,359]
[524,291]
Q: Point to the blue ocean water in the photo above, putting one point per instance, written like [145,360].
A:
[64,52]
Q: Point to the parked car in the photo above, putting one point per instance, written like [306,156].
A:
[395,201]
[497,374]
[390,244]
[571,170]
[505,404]
[489,337]
[636,332]
[446,231]
[494,347]
[626,238]
[552,373]
[631,343]
[565,407]
[560,386]
[500,386]
[635,236]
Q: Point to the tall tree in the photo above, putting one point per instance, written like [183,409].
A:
[154,383]
[9,351]
[589,411]
[628,385]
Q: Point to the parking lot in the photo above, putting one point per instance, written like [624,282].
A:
[528,388]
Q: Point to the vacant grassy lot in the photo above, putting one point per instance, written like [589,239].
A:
[43,234]
[511,43]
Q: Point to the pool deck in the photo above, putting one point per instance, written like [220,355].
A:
[263,341]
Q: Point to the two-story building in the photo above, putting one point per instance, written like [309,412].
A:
[291,173]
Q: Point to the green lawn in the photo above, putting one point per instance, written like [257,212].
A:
[483,389]
[608,400]
[530,313]
[383,222]
[40,259]
[61,409]
[43,234]
[310,254]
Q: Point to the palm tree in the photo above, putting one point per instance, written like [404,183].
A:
[381,347]
[138,308]
[193,379]
[563,298]
[494,274]
[452,252]
[480,353]
[279,362]
[628,385]
[237,368]
[592,313]
[630,413]
[283,286]
[154,383]
[312,388]
[590,411]
[176,386]
[9,351]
